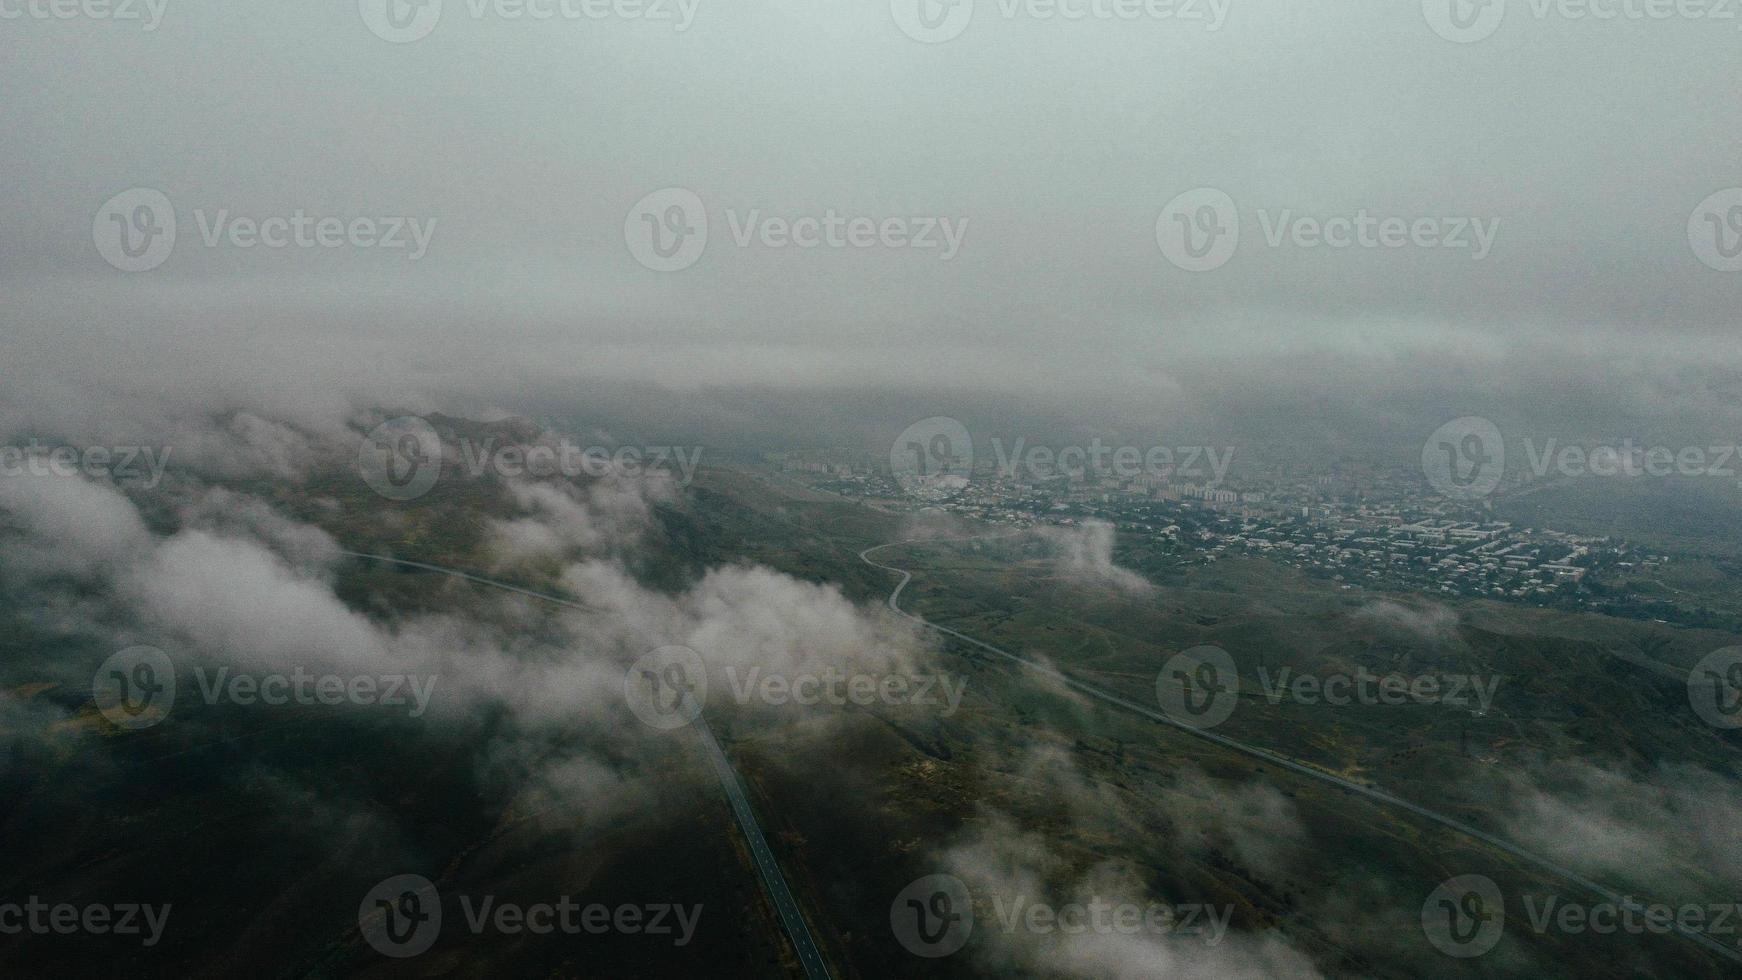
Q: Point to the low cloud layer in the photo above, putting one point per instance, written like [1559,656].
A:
[1008,867]
[1425,620]
[1669,828]
[1084,556]
[223,581]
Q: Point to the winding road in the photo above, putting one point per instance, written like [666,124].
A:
[797,930]
[1267,756]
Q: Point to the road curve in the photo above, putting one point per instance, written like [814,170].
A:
[1264,755]
[797,930]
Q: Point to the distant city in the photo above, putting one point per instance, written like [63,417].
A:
[1359,525]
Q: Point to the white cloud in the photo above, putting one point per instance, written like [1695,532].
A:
[1085,556]
[70,524]
[1426,620]
[1001,863]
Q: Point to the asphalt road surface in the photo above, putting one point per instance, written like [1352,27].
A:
[778,893]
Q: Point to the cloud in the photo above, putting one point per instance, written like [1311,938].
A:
[565,520]
[1084,554]
[1670,827]
[1426,620]
[239,583]
[1004,861]
[230,514]
[1005,867]
[69,524]
[532,693]
[743,616]
[1253,821]
[233,599]
[564,786]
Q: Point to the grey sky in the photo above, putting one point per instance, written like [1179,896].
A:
[1583,145]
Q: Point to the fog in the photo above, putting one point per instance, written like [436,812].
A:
[519,149]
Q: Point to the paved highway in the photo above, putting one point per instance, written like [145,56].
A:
[778,892]
[797,930]
[1264,755]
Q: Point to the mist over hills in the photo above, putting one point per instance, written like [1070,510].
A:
[1226,489]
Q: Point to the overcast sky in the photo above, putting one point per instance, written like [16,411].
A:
[522,147]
